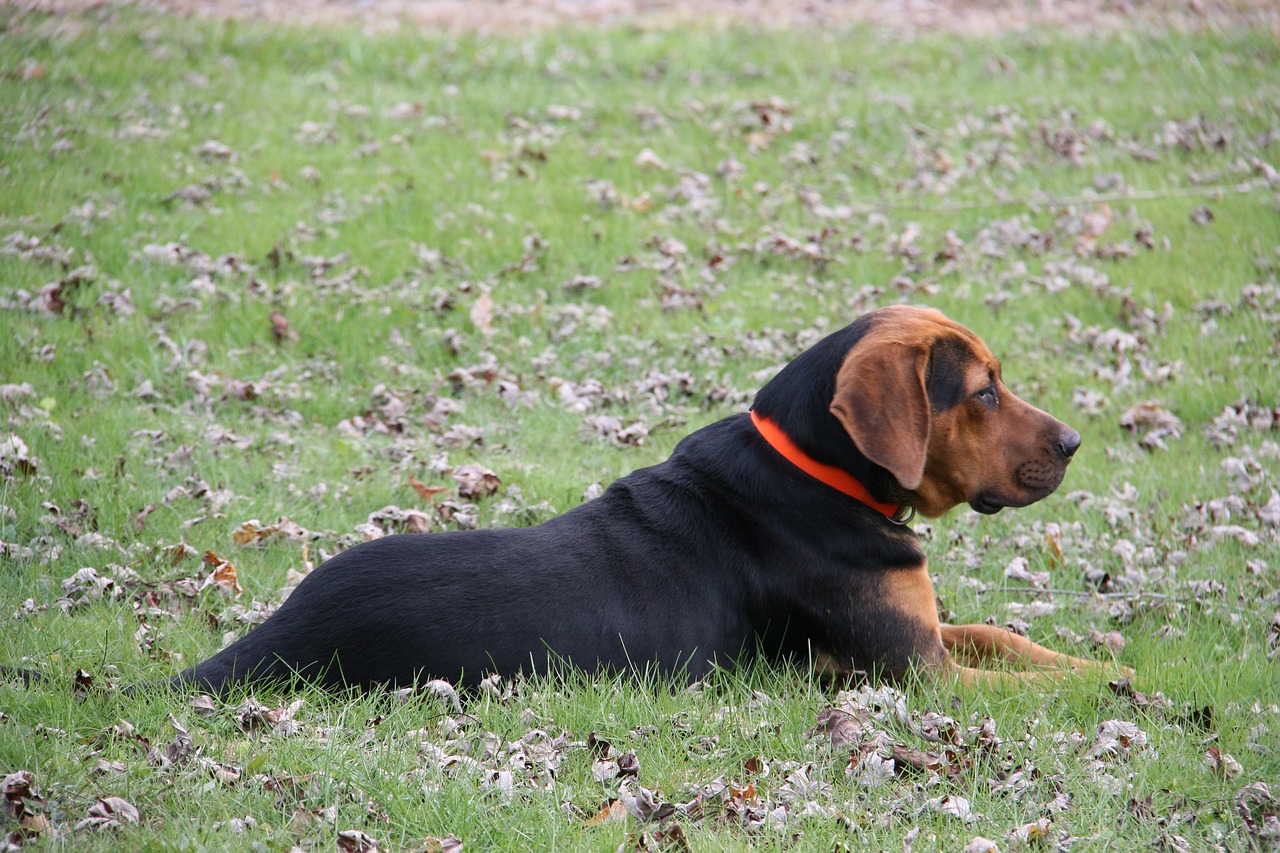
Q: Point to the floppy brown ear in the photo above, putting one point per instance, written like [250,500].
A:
[881,401]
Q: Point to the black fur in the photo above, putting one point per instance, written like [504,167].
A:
[722,552]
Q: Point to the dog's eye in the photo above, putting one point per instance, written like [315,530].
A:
[989,396]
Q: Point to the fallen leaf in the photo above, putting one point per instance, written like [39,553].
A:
[1032,834]
[475,481]
[1222,764]
[181,746]
[222,575]
[671,837]
[23,807]
[614,812]
[424,491]
[482,313]
[1202,215]
[281,331]
[1260,812]
[108,813]
[647,159]
[356,841]
[842,727]
[140,519]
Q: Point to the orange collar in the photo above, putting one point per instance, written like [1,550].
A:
[836,478]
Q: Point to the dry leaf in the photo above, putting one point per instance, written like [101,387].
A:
[475,481]
[1222,764]
[356,841]
[424,491]
[614,812]
[108,813]
[281,331]
[482,313]
[223,575]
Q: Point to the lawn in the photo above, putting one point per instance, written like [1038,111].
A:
[266,292]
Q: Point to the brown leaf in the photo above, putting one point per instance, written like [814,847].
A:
[628,764]
[177,553]
[82,683]
[1154,421]
[424,491]
[27,71]
[222,575]
[280,329]
[647,159]
[614,812]
[140,519]
[947,763]
[448,844]
[356,841]
[33,824]
[841,726]
[604,769]
[16,807]
[396,519]
[1112,641]
[475,481]
[671,837]
[17,785]
[1222,763]
[254,532]
[598,746]
[1259,810]
[16,458]
[254,715]
[224,774]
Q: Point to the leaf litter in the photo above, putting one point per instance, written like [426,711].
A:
[870,758]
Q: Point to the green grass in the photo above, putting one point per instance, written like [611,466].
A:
[515,161]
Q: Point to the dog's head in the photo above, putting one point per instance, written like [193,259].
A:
[921,396]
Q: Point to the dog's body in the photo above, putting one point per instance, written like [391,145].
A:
[726,550]
[670,568]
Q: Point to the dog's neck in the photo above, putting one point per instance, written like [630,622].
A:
[798,400]
[837,478]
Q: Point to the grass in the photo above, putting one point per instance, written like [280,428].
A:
[440,173]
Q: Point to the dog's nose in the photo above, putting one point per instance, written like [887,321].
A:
[1068,443]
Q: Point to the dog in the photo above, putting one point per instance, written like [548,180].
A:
[779,532]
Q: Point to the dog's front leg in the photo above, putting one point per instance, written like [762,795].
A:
[971,645]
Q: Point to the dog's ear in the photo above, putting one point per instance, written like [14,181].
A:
[881,400]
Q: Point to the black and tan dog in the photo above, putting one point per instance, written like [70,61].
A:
[777,532]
